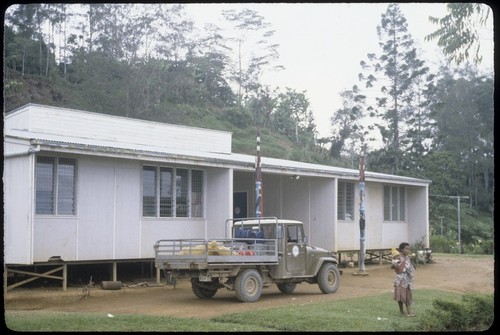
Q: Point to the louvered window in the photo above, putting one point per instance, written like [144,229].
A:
[172,192]
[166,192]
[394,203]
[55,185]
[196,193]
[149,191]
[181,192]
[345,201]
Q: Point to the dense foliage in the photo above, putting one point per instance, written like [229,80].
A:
[474,313]
[147,61]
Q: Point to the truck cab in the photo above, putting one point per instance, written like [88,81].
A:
[297,260]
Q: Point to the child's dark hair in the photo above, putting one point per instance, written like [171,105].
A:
[402,245]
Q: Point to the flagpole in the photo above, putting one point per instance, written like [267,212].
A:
[258,180]
[362,215]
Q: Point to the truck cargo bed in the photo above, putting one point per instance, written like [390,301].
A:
[184,253]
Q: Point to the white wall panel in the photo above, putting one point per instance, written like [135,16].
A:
[128,211]
[394,233]
[55,236]
[271,196]
[418,219]
[82,124]
[296,199]
[18,201]
[18,119]
[347,236]
[96,196]
[374,215]
[219,200]
[321,223]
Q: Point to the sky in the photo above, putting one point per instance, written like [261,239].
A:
[322,44]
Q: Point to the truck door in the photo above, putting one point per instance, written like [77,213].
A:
[295,256]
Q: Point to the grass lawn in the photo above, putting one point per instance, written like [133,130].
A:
[377,313]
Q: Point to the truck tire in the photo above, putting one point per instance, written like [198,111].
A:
[248,285]
[287,288]
[202,292]
[328,278]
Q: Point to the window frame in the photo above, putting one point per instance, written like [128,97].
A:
[394,196]
[188,186]
[342,198]
[58,185]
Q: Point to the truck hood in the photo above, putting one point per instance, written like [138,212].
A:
[321,251]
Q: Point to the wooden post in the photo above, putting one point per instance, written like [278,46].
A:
[158,276]
[65,277]
[115,271]
[362,222]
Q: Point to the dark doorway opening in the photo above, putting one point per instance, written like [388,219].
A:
[240,205]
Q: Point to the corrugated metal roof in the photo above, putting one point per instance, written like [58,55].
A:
[106,147]
[237,161]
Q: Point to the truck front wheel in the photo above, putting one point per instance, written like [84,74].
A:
[248,285]
[328,278]
[201,291]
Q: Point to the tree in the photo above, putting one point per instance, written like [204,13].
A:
[346,122]
[262,105]
[419,124]
[293,118]
[402,75]
[464,113]
[208,72]
[26,21]
[212,63]
[172,30]
[458,34]
[250,28]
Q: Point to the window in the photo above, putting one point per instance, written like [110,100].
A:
[345,201]
[295,234]
[172,192]
[149,191]
[166,191]
[55,185]
[181,192]
[196,193]
[394,203]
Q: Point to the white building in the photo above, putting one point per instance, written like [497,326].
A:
[88,187]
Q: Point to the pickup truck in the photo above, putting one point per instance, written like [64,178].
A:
[259,252]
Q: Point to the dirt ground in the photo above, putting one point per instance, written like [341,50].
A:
[464,274]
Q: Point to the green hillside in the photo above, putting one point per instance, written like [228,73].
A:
[20,90]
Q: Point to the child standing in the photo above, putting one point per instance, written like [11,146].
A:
[403,283]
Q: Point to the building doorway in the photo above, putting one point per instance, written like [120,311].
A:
[240,205]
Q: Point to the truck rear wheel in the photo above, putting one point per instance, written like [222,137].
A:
[201,291]
[287,288]
[328,278]
[248,285]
